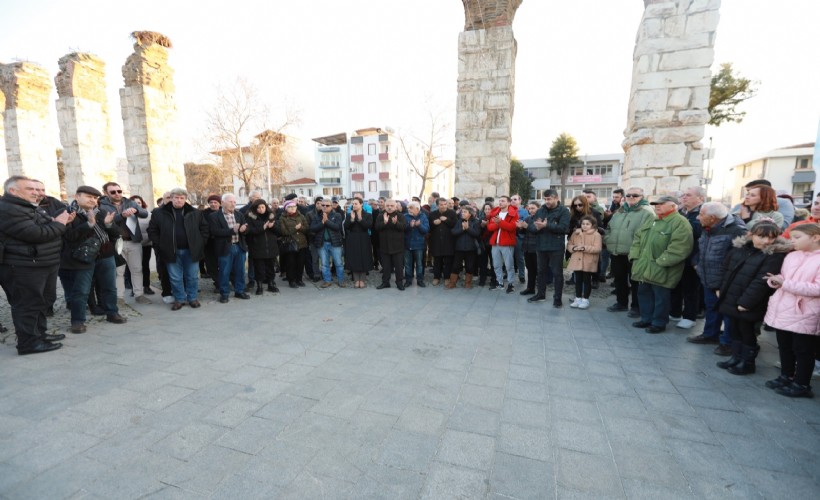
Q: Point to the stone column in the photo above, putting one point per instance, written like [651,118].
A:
[668,107]
[149,115]
[29,148]
[486,86]
[82,113]
[4,167]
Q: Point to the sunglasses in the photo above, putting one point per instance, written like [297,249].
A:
[115,191]
[634,195]
[578,205]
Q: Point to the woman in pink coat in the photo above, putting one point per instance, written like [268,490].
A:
[794,312]
[585,245]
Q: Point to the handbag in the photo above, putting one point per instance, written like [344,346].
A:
[288,245]
[87,251]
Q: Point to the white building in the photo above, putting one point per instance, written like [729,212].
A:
[600,173]
[788,169]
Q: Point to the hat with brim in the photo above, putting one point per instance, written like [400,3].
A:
[665,199]
[89,190]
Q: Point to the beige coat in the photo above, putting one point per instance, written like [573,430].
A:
[588,259]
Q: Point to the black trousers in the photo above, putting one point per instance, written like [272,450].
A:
[583,283]
[211,264]
[265,270]
[553,261]
[392,263]
[146,266]
[442,266]
[796,355]
[462,260]
[531,261]
[687,296]
[294,264]
[622,272]
[164,279]
[744,331]
[25,289]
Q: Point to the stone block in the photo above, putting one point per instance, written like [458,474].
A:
[651,28]
[650,100]
[679,98]
[687,171]
[647,119]
[674,26]
[643,182]
[648,63]
[498,100]
[691,181]
[700,97]
[658,45]
[702,22]
[673,135]
[695,158]
[672,79]
[640,136]
[657,155]
[669,184]
[662,10]
[656,172]
[694,117]
[686,59]
[637,172]
[499,133]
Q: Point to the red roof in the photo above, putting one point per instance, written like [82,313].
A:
[303,180]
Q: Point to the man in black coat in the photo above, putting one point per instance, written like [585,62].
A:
[227,228]
[52,207]
[211,265]
[30,244]
[390,225]
[441,240]
[178,232]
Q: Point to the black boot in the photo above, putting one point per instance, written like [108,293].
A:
[747,363]
[259,289]
[272,287]
[737,347]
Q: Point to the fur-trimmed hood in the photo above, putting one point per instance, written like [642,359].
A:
[269,215]
[780,245]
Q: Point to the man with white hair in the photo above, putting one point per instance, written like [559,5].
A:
[658,253]
[719,229]
[227,229]
[686,297]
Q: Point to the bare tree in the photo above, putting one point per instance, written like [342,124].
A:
[432,144]
[203,180]
[239,133]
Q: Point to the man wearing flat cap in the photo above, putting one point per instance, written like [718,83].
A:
[658,254]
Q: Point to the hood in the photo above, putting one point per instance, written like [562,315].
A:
[780,245]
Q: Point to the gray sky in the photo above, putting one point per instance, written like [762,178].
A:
[360,63]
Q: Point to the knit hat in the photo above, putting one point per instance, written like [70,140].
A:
[215,197]
[289,203]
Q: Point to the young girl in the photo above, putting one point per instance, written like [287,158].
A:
[794,312]
[743,294]
[585,246]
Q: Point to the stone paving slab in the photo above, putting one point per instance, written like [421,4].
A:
[426,393]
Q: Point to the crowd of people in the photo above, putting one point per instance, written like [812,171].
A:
[671,259]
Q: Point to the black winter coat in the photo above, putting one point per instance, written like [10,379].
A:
[334,227]
[262,243]
[162,232]
[79,231]
[28,237]
[465,239]
[441,239]
[391,234]
[222,235]
[744,282]
[358,249]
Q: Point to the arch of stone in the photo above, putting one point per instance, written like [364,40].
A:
[667,108]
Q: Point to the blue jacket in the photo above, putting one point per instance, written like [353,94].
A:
[713,246]
[551,238]
[414,236]
[465,240]
[334,228]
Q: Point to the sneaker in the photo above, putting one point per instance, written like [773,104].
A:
[584,304]
[795,391]
[498,287]
[120,302]
[575,303]
[616,308]
[674,318]
[510,288]
[168,299]
[142,299]
[685,324]
[780,381]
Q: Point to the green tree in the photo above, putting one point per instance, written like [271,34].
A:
[728,91]
[563,153]
[520,181]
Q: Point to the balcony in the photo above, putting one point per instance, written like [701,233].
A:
[357,177]
[384,156]
[384,176]
[330,180]
[329,165]
[356,158]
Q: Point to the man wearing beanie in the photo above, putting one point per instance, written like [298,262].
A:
[211,264]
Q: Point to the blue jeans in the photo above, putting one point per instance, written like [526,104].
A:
[77,285]
[654,301]
[414,258]
[232,264]
[519,256]
[711,325]
[326,252]
[184,276]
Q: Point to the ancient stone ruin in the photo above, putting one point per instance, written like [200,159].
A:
[486,86]
[668,107]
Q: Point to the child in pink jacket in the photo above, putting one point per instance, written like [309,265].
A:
[794,312]
[585,245]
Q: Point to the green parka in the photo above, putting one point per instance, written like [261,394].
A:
[624,223]
[660,249]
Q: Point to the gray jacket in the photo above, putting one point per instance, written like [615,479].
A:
[121,222]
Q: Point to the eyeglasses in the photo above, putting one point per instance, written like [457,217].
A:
[634,195]
[579,205]
[115,191]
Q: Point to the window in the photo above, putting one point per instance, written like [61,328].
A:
[602,170]
[357,149]
[384,167]
[358,186]
[800,188]
[746,170]
[371,149]
[330,159]
[385,148]
[371,167]
[371,186]
[802,164]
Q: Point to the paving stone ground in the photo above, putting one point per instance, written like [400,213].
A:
[427,393]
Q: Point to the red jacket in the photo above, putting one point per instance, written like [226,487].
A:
[506,227]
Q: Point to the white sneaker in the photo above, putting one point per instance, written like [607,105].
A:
[816,373]
[142,299]
[686,323]
[577,302]
[673,318]
[584,304]
[168,300]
